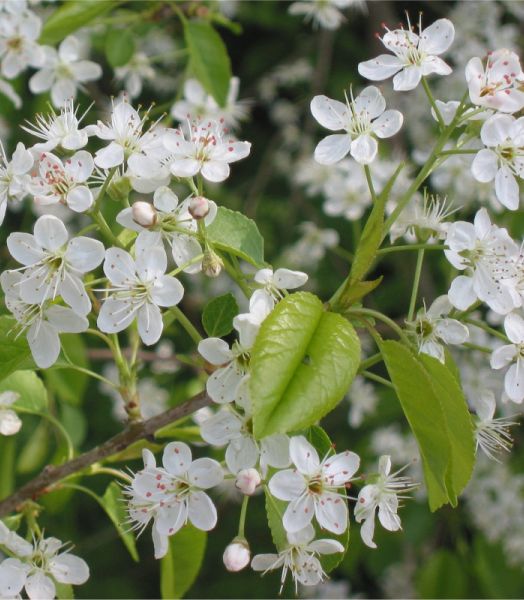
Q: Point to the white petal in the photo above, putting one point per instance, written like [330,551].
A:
[177,458]
[514,327]
[84,254]
[119,267]
[380,68]
[364,149]
[367,531]
[13,574]
[184,249]
[215,351]
[66,320]
[438,37]
[40,587]
[507,188]
[501,357]
[160,544]
[339,469]
[387,512]
[67,568]
[202,511]
[221,428]
[110,156]
[80,199]
[10,422]
[222,385]
[185,167]
[150,323]
[332,512]
[451,331]
[167,291]
[44,344]
[214,170]
[299,513]
[241,453]
[165,200]
[461,293]
[115,315]
[326,546]
[265,562]
[24,248]
[434,64]
[388,124]
[332,148]
[496,130]
[274,451]
[73,292]
[205,473]
[407,79]
[287,485]
[303,455]
[331,114]
[50,232]
[289,280]
[370,100]
[514,382]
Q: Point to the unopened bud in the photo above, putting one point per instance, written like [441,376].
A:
[119,188]
[212,264]
[144,214]
[247,481]
[237,555]
[198,207]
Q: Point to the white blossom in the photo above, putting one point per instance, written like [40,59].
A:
[19,48]
[312,488]
[134,73]
[491,434]
[513,355]
[363,119]
[14,176]
[323,13]
[10,422]
[274,286]
[414,56]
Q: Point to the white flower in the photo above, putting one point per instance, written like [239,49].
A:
[512,354]
[18,43]
[324,13]
[38,567]
[134,73]
[10,422]
[503,159]
[53,265]
[63,72]
[174,224]
[64,182]
[199,105]
[14,176]
[496,85]
[487,254]
[173,495]
[43,321]
[364,119]
[208,150]
[139,287]
[492,435]
[432,327]
[384,496]
[313,487]
[423,221]
[243,452]
[415,56]
[299,557]
[59,129]
[127,140]
[236,556]
[274,287]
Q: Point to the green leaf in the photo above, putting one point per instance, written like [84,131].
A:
[119,47]
[443,576]
[33,455]
[113,504]
[233,232]
[71,16]
[436,410]
[208,58]
[181,565]
[218,315]
[68,384]
[302,363]
[14,351]
[7,466]
[33,395]
[64,591]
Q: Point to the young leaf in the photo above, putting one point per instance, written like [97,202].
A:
[14,351]
[33,395]
[233,232]
[208,58]
[119,47]
[71,16]
[436,410]
[181,565]
[113,504]
[302,363]
[218,314]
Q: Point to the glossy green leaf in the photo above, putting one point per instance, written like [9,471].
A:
[302,363]
[233,232]
[218,315]
[436,410]
[114,505]
[14,351]
[33,394]
[119,47]
[71,16]
[181,565]
[209,59]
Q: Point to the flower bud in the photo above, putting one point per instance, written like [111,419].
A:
[247,481]
[237,555]
[119,188]
[144,214]
[212,264]
[198,207]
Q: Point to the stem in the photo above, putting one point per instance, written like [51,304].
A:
[368,312]
[243,513]
[477,347]
[86,372]
[416,281]
[371,361]
[134,432]
[102,192]
[187,264]
[237,277]
[431,99]
[457,151]
[487,328]
[378,379]
[105,229]
[191,330]
[369,179]
[406,247]
[103,337]
[97,470]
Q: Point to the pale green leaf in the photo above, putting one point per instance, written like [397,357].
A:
[119,47]
[33,394]
[302,363]
[218,315]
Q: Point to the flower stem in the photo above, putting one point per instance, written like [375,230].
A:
[368,312]
[431,99]
[369,179]
[243,513]
[487,328]
[407,247]
[378,379]
[416,282]
[191,330]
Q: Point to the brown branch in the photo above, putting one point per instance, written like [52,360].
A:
[133,433]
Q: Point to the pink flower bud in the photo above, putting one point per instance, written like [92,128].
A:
[247,481]
[144,214]
[198,207]
[237,555]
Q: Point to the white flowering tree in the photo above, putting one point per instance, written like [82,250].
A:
[124,233]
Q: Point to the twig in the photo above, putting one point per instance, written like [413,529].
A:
[133,433]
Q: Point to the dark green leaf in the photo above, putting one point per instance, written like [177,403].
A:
[302,363]
[113,504]
[436,410]
[233,232]
[119,47]
[443,576]
[181,565]
[208,58]
[14,351]
[218,314]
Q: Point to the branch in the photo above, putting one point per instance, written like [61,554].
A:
[133,433]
